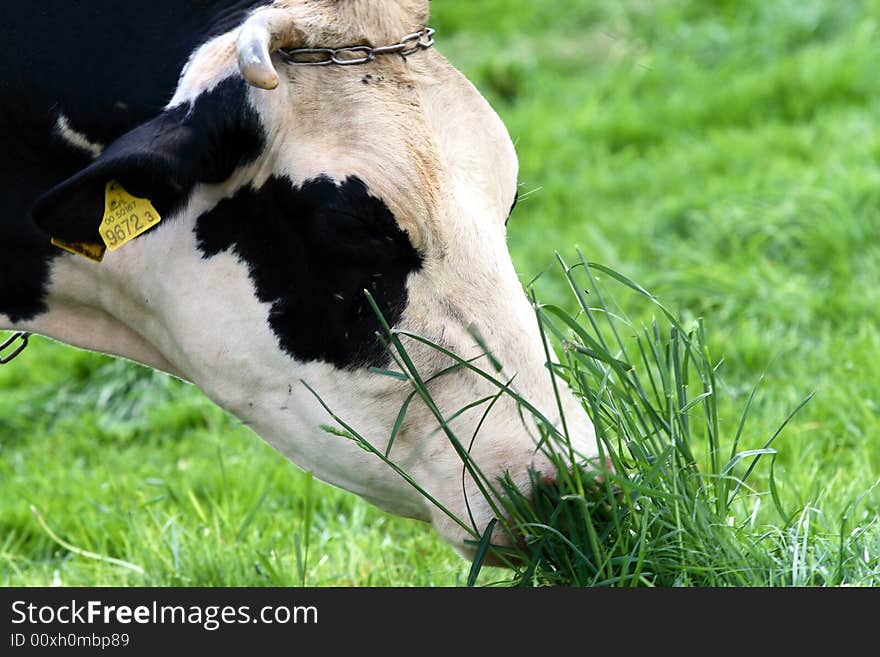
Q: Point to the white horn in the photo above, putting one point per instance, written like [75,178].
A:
[261,35]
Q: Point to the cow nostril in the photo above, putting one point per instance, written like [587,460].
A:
[592,477]
[597,474]
[609,469]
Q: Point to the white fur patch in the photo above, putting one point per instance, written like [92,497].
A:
[77,139]
[212,63]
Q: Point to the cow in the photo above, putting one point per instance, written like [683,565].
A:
[209,188]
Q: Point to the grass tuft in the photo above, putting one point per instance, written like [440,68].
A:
[679,506]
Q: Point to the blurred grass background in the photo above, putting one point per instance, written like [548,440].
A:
[723,154]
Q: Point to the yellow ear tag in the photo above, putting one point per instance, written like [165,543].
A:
[91,251]
[125,217]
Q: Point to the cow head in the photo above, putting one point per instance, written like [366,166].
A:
[282,201]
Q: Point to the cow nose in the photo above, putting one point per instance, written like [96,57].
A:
[548,491]
[598,475]
[539,504]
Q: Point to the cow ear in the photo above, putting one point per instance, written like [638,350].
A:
[155,161]
[160,160]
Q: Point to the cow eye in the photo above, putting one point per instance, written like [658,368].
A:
[512,207]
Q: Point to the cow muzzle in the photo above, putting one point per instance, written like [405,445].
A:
[518,507]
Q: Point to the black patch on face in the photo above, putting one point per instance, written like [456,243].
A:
[311,251]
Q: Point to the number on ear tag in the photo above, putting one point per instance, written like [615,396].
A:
[125,217]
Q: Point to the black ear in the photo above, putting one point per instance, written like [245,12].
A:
[153,161]
[161,160]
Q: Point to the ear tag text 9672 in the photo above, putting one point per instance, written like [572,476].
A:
[125,216]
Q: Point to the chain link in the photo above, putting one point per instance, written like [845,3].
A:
[354,55]
[24,337]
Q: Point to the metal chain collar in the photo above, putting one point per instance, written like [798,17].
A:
[353,55]
[23,337]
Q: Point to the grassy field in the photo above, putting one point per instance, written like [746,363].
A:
[723,154]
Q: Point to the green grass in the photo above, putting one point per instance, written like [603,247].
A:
[679,507]
[724,155]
